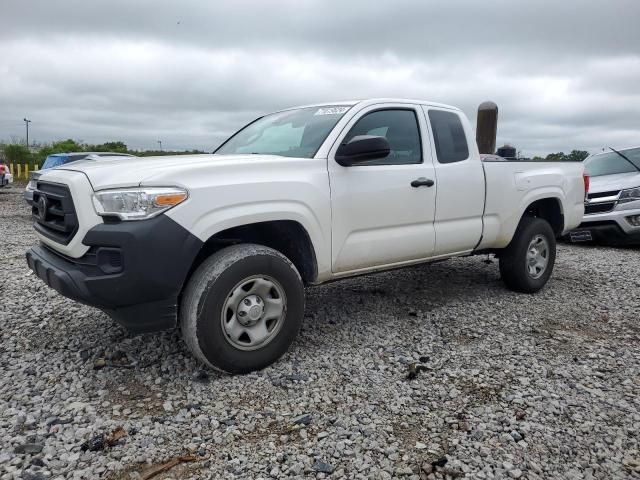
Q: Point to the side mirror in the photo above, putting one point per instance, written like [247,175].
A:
[362,148]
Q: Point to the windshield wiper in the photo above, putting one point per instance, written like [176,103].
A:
[625,157]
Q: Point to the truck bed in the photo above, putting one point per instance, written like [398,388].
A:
[510,183]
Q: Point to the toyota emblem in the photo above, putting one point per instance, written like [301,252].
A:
[42,208]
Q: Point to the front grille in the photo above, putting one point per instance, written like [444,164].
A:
[53,212]
[613,193]
[603,207]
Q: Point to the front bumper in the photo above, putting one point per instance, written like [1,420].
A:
[613,226]
[133,271]
[28,195]
[606,232]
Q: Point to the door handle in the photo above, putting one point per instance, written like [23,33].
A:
[422,182]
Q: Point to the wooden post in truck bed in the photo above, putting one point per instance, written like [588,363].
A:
[487,127]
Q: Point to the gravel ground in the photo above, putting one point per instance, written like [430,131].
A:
[507,385]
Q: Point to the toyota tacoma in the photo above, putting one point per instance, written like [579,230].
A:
[223,245]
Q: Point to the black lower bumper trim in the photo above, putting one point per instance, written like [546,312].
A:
[147,317]
[143,296]
[51,269]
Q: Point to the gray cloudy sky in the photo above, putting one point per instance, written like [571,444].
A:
[565,74]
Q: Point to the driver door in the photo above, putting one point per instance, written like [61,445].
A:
[378,218]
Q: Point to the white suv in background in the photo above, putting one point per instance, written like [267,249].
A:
[612,211]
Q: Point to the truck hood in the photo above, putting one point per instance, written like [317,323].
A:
[118,172]
[608,183]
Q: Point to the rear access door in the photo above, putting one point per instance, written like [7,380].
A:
[460,182]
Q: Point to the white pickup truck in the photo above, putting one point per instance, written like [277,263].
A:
[223,245]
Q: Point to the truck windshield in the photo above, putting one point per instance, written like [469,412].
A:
[610,163]
[292,133]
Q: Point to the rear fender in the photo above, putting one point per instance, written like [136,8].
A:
[500,230]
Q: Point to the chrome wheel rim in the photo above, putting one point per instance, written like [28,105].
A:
[537,256]
[253,313]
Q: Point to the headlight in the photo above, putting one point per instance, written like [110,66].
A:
[629,195]
[31,185]
[137,203]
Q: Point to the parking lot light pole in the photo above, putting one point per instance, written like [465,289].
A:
[160,143]
[27,122]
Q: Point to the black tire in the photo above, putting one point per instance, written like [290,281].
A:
[209,291]
[514,266]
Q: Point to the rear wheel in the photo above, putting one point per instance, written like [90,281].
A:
[242,308]
[527,263]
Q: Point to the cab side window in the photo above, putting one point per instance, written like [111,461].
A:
[399,127]
[449,136]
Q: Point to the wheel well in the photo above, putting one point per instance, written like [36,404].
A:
[550,210]
[286,236]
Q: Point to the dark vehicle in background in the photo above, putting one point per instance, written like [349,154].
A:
[57,159]
[612,208]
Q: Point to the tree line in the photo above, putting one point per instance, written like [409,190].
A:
[574,156]
[19,153]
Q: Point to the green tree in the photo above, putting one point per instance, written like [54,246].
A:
[16,153]
[577,155]
[556,157]
[116,147]
[574,156]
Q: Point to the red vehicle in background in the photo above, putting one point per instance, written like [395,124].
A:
[5,175]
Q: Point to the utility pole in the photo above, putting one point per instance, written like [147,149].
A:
[27,122]
[160,143]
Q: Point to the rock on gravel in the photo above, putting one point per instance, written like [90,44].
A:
[511,386]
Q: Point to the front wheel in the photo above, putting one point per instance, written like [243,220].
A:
[242,308]
[527,262]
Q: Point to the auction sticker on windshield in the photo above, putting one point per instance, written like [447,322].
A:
[331,111]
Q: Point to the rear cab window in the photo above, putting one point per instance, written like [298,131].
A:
[449,136]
